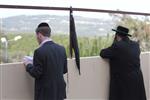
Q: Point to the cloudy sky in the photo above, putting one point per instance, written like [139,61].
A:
[124,5]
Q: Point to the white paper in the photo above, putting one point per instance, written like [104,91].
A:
[28,58]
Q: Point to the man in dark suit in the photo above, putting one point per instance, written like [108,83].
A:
[49,65]
[126,79]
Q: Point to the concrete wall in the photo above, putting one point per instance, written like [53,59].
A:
[16,84]
[145,65]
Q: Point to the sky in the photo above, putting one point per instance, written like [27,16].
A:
[124,5]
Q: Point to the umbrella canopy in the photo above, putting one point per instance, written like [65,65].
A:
[74,41]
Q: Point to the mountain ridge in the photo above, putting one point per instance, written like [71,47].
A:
[59,24]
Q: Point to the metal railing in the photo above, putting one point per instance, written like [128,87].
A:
[74,9]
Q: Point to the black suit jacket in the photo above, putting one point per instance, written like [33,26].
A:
[126,77]
[124,56]
[49,65]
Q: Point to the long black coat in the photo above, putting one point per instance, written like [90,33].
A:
[126,82]
[49,65]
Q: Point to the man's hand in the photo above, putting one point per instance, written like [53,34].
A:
[26,61]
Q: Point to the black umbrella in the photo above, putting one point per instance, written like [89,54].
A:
[74,41]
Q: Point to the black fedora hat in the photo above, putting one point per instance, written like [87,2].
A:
[122,31]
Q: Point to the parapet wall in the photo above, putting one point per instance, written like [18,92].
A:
[16,84]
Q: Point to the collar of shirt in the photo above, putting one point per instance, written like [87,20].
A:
[46,40]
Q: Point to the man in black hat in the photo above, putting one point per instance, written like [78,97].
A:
[126,79]
[49,65]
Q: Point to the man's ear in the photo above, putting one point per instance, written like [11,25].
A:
[40,35]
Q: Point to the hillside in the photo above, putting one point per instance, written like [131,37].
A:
[59,24]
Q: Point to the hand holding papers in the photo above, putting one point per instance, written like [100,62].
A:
[28,60]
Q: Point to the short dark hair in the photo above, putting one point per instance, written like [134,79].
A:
[124,37]
[44,29]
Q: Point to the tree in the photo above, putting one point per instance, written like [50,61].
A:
[139,28]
